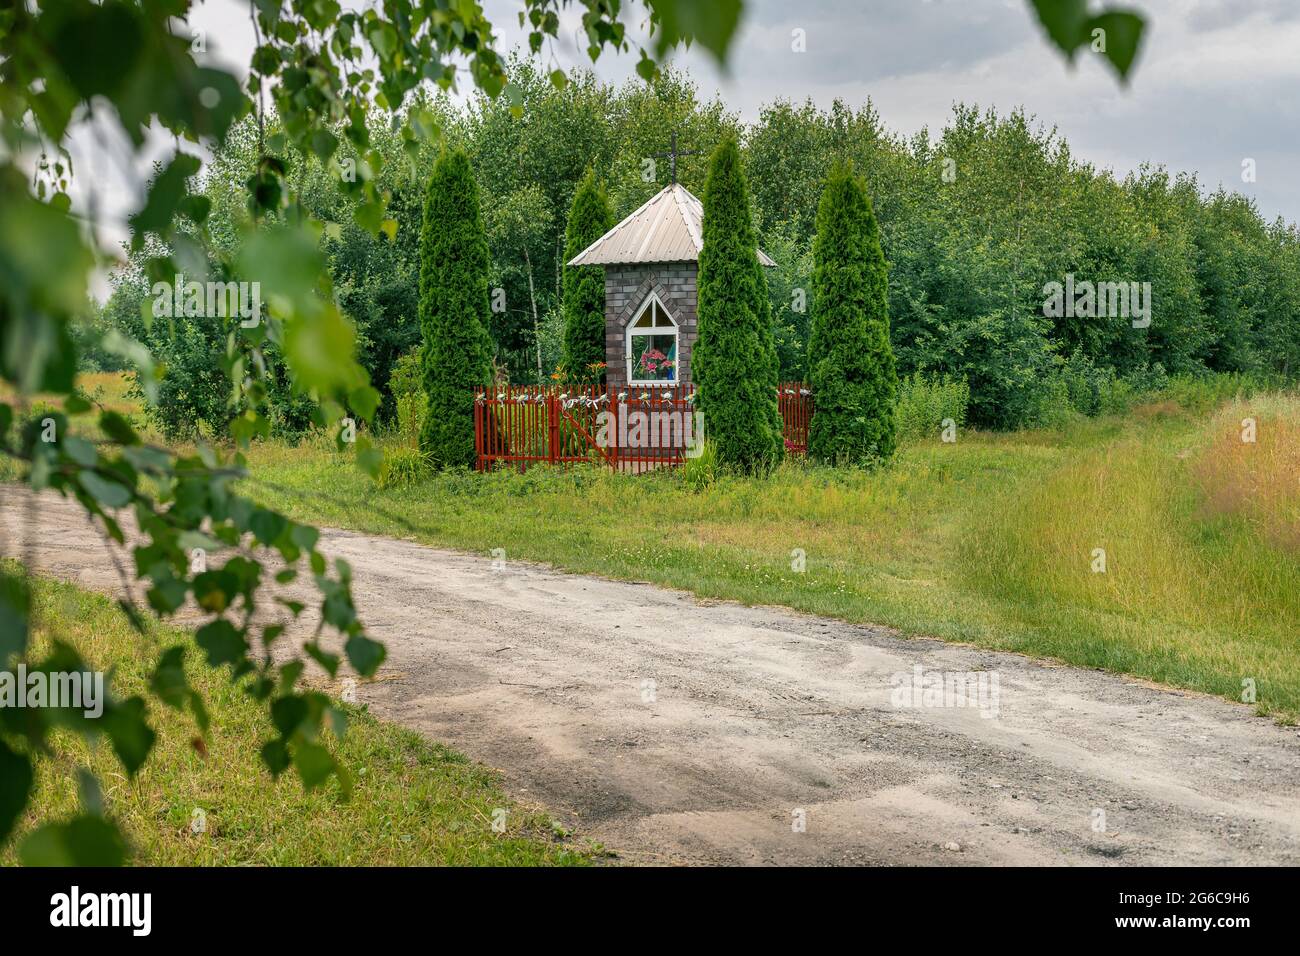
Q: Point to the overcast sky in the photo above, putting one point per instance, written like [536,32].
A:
[1218,82]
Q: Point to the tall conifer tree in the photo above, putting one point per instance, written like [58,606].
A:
[853,377]
[454,268]
[734,357]
[584,286]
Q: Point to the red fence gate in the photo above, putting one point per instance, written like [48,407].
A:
[632,429]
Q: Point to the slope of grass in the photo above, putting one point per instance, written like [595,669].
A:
[414,802]
[989,540]
[1201,579]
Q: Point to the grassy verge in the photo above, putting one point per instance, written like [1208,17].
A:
[990,541]
[414,802]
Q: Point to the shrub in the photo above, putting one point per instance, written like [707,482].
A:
[1054,408]
[849,357]
[1120,393]
[701,471]
[1148,379]
[193,396]
[1117,397]
[924,403]
[734,359]
[550,338]
[457,352]
[1084,383]
[1200,393]
[406,384]
[403,468]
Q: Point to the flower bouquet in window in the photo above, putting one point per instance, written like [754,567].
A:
[654,365]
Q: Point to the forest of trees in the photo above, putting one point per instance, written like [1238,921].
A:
[974,222]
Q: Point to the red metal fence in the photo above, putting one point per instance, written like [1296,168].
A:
[636,429]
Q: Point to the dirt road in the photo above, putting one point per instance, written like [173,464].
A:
[675,730]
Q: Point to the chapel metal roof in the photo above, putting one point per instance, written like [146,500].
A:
[668,228]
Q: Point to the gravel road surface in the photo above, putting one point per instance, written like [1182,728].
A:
[675,730]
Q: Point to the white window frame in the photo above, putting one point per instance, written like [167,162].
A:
[675,332]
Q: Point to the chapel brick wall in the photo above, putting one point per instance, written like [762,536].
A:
[626,288]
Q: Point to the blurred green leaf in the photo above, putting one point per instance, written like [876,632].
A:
[713,24]
[165,195]
[365,655]
[15,788]
[1123,36]
[108,493]
[92,42]
[267,526]
[83,841]
[1064,21]
[15,599]
[314,764]
[276,757]
[89,792]
[117,428]
[223,643]
[43,271]
[323,144]
[1069,26]
[287,714]
[131,735]
[168,681]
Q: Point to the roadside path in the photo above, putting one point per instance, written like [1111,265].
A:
[677,730]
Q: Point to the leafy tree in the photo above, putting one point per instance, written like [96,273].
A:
[734,359]
[1277,333]
[457,353]
[1003,200]
[528,155]
[518,227]
[788,287]
[849,357]
[1166,256]
[644,113]
[770,366]
[790,151]
[584,286]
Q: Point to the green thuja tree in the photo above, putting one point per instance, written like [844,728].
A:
[733,360]
[772,360]
[457,354]
[854,380]
[584,286]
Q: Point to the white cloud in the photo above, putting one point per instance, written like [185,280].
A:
[1218,81]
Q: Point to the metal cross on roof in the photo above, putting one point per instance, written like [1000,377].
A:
[673,153]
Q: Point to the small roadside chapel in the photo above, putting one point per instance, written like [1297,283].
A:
[644,416]
[651,262]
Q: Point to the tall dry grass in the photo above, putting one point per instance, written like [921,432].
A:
[1251,469]
[1201,578]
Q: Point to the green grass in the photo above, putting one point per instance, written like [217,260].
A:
[988,541]
[414,802]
